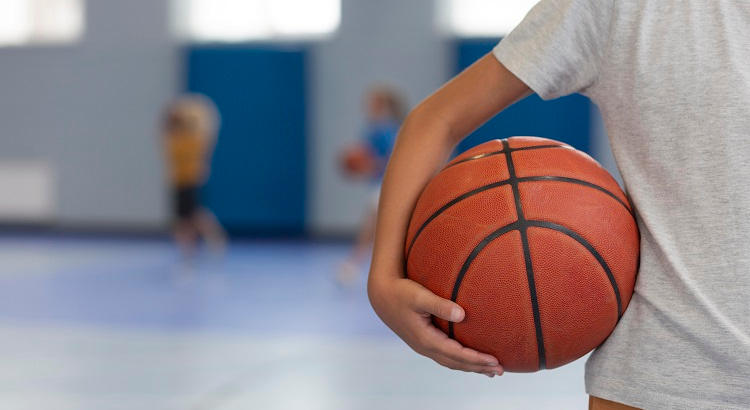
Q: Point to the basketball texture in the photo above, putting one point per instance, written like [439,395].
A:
[538,244]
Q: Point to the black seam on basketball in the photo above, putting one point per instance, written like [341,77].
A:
[572,234]
[502,151]
[522,225]
[465,267]
[579,182]
[502,183]
[450,204]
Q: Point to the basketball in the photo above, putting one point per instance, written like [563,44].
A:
[538,244]
[357,160]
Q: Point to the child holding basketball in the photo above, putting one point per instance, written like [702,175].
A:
[190,127]
[671,81]
[367,160]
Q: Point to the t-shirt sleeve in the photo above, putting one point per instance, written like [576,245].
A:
[558,47]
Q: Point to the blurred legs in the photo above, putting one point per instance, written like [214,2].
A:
[210,229]
[349,269]
[202,224]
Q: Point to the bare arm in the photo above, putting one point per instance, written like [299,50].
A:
[425,141]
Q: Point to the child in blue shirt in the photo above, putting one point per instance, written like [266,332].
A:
[367,160]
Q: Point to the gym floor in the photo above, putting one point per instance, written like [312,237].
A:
[96,323]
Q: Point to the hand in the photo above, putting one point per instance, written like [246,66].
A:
[407,308]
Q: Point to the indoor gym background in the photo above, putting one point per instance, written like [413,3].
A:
[98,310]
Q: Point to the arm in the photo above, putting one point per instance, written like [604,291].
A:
[425,141]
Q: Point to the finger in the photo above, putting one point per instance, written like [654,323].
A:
[439,343]
[452,364]
[430,303]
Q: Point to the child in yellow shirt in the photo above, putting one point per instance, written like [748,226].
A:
[190,128]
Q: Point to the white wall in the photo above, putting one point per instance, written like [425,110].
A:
[383,41]
[89,110]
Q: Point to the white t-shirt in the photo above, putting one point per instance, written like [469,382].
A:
[672,80]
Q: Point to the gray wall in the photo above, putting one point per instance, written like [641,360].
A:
[90,110]
[384,41]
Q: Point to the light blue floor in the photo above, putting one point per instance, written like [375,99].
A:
[126,324]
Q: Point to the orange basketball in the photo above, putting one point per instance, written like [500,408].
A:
[357,160]
[538,244]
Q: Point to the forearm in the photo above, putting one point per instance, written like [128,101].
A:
[425,142]
[423,145]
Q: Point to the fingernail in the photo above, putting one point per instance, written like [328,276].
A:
[492,363]
[455,314]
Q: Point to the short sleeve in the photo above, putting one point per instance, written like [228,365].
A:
[559,46]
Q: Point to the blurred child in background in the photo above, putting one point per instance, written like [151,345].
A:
[366,160]
[190,128]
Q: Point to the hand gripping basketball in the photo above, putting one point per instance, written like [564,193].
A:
[407,308]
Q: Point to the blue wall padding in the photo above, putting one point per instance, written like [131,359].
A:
[565,119]
[258,177]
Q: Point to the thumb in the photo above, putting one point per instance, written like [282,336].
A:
[428,302]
